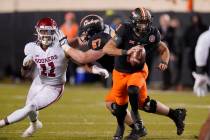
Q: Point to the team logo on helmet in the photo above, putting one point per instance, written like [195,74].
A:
[152,38]
[134,14]
[88,22]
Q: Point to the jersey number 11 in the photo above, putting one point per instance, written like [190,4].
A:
[44,70]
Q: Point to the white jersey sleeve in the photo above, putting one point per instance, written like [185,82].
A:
[202,49]
[29,51]
[29,48]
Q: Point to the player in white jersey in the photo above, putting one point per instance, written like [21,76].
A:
[201,78]
[49,58]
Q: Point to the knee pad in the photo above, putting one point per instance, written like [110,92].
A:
[31,107]
[133,90]
[150,105]
[118,110]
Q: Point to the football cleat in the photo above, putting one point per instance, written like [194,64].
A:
[179,117]
[119,133]
[32,129]
[136,133]
[117,137]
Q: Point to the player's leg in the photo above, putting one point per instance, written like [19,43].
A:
[120,112]
[18,115]
[35,89]
[177,115]
[133,93]
[23,112]
[35,124]
[205,130]
[137,89]
[140,131]
[47,96]
[111,103]
[128,119]
[119,108]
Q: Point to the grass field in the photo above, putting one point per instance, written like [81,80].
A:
[81,115]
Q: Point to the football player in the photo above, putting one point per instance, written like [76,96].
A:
[130,81]
[95,34]
[201,78]
[50,59]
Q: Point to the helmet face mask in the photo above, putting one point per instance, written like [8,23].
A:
[141,20]
[46,37]
[45,29]
[84,36]
[142,26]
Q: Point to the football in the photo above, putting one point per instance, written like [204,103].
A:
[138,55]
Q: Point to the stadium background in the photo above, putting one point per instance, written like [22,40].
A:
[17,20]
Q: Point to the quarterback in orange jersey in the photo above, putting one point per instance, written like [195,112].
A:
[129,81]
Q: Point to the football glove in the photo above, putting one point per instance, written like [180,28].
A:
[100,71]
[62,40]
[27,61]
[200,86]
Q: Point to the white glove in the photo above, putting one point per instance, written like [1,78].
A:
[100,71]
[62,40]
[61,37]
[28,60]
[200,85]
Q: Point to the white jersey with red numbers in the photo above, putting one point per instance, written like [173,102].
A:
[51,63]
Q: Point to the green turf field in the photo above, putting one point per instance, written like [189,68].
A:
[81,115]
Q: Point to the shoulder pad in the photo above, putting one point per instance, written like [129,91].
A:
[29,47]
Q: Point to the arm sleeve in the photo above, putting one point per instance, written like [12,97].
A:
[202,50]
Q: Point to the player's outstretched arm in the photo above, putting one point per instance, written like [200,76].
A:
[77,55]
[164,54]
[75,42]
[84,57]
[111,48]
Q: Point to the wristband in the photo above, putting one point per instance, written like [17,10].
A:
[63,40]
[65,47]
[124,52]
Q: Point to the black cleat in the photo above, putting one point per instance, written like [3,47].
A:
[117,138]
[179,117]
[119,133]
[135,134]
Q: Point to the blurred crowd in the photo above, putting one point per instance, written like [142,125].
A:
[180,39]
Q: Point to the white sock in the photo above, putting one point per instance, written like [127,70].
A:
[20,114]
